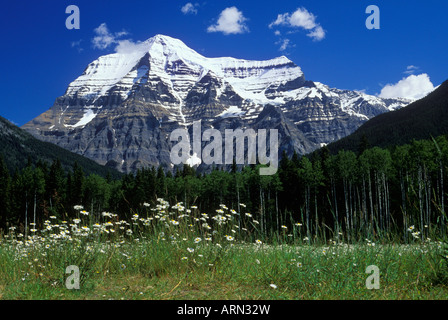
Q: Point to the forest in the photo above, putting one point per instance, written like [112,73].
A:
[395,193]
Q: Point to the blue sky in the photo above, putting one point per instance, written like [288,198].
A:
[329,40]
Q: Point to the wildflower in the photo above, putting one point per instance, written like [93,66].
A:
[146,204]
[229,238]
[78,207]
[197,240]
[191,250]
[298,224]
[411,228]
[299,264]
[174,222]
[52,217]
[248,214]
[184,258]
[284,227]
[273,286]
[258,241]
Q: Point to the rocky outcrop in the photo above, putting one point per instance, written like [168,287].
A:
[122,109]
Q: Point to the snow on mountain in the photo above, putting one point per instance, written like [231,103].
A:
[121,109]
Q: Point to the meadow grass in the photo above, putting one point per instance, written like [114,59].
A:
[175,253]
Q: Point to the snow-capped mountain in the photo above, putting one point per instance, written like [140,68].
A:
[121,110]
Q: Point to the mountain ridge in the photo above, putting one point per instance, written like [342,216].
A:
[18,146]
[124,105]
[425,118]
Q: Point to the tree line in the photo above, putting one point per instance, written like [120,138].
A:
[374,192]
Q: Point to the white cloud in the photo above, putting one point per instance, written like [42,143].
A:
[127,46]
[413,87]
[284,44]
[317,33]
[104,38]
[411,69]
[303,19]
[189,8]
[230,21]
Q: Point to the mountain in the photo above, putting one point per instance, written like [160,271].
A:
[121,110]
[422,119]
[17,146]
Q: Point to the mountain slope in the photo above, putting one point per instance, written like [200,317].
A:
[122,109]
[17,146]
[423,119]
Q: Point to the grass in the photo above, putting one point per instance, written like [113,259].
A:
[174,253]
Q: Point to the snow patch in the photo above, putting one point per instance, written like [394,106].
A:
[88,116]
[193,160]
[232,111]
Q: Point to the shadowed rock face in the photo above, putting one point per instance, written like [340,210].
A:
[123,108]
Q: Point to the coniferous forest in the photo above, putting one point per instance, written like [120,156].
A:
[371,193]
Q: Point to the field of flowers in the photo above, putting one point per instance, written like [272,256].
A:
[174,252]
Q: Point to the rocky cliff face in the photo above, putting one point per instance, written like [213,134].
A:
[122,109]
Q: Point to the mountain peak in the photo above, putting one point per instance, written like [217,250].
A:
[168,42]
[133,99]
[171,59]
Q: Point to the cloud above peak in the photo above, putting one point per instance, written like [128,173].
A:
[230,21]
[413,87]
[302,19]
[104,39]
[189,8]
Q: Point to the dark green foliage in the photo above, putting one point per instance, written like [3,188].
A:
[366,192]
[422,119]
[374,194]
[18,147]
